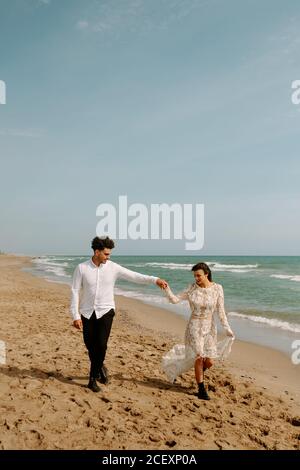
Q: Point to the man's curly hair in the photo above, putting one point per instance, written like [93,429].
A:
[101,243]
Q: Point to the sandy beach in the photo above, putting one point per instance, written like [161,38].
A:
[255,395]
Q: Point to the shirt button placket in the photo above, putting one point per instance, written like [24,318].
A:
[96,290]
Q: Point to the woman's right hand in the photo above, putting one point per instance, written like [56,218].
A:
[230,333]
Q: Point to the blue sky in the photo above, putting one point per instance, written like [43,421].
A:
[185,101]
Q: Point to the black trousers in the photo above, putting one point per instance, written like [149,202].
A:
[95,335]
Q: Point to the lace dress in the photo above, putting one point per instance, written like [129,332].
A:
[201,330]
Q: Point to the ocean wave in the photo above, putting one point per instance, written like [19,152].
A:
[295,278]
[57,271]
[235,270]
[273,322]
[47,265]
[134,265]
[170,265]
[220,266]
[215,266]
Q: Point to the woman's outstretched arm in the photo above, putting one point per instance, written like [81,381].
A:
[175,299]
[222,314]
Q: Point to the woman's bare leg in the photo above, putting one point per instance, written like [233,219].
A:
[207,363]
[199,369]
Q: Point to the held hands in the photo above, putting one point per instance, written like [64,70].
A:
[162,283]
[77,324]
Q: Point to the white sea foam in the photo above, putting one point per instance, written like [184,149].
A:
[135,265]
[170,265]
[49,261]
[49,266]
[234,268]
[275,323]
[295,278]
[56,271]
[281,276]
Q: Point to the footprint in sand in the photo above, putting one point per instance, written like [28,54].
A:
[295,421]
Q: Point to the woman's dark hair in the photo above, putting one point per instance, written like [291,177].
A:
[204,268]
[101,243]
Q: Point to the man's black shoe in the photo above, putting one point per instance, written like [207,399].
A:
[92,385]
[103,377]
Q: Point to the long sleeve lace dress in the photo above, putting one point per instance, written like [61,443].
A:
[201,331]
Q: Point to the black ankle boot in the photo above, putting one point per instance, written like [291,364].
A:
[92,385]
[202,393]
[103,376]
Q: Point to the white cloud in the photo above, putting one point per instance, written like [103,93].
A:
[287,41]
[82,24]
[138,15]
[31,133]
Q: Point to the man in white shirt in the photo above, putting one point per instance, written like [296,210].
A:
[93,305]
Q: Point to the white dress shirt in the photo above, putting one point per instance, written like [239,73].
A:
[93,287]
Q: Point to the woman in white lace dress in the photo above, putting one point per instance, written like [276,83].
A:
[201,346]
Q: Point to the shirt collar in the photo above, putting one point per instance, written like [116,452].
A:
[95,266]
